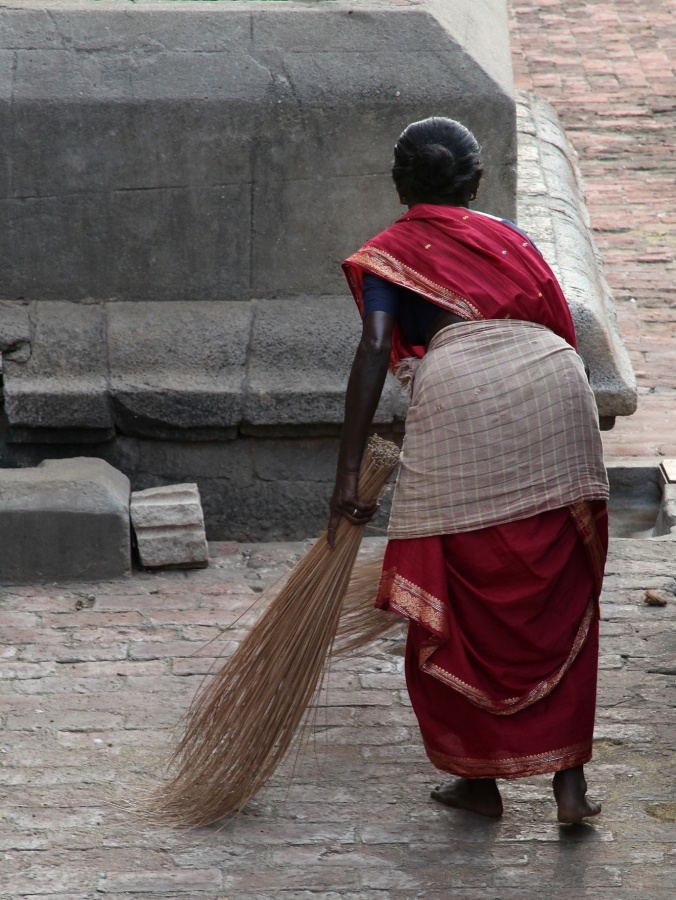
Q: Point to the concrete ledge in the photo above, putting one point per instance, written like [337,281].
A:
[189,371]
[178,367]
[64,520]
[665,524]
[299,360]
[552,210]
[63,384]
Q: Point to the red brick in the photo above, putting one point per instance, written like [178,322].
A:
[170,649]
[90,617]
[194,665]
[162,881]
[103,668]
[70,720]
[69,653]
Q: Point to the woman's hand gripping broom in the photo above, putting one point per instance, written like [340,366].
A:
[239,727]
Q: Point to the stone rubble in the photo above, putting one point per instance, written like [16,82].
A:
[168,525]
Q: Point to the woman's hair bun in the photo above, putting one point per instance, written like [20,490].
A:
[433,165]
[437,160]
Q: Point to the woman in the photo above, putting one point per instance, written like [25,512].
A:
[498,530]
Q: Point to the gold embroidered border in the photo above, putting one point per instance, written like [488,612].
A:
[408,599]
[513,704]
[380,262]
[384,587]
[415,603]
[585,522]
[514,767]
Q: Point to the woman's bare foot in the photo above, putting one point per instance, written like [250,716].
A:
[478,795]
[570,789]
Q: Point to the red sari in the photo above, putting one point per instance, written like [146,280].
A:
[468,263]
[502,648]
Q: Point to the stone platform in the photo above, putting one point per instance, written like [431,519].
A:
[246,397]
[226,150]
[93,677]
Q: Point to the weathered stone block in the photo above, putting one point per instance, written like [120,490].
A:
[15,331]
[63,383]
[178,368]
[203,169]
[62,521]
[552,210]
[169,527]
[666,517]
[299,360]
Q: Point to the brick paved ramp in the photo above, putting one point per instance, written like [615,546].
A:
[94,676]
[608,68]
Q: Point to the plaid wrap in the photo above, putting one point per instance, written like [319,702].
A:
[502,425]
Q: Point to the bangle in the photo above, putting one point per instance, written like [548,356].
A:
[348,471]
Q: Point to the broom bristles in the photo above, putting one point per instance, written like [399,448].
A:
[239,727]
[360,623]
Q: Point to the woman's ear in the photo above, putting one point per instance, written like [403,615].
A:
[474,185]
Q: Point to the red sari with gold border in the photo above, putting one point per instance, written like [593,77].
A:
[468,263]
[502,649]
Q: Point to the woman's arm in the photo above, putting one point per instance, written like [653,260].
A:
[364,387]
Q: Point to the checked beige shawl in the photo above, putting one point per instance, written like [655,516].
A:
[502,425]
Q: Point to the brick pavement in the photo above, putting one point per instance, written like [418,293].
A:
[93,677]
[607,66]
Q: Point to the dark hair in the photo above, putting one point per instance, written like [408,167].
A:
[437,160]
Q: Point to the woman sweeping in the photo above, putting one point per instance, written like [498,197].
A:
[498,531]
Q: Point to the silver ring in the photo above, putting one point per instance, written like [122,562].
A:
[355,511]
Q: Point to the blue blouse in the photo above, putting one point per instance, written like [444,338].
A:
[414,313]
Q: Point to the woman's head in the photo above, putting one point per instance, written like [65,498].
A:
[437,160]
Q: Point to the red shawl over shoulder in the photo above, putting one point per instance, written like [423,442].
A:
[466,262]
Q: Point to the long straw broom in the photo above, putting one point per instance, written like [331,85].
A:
[239,727]
[360,623]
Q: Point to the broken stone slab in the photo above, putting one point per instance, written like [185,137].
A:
[551,208]
[668,471]
[65,520]
[169,527]
[63,383]
[666,516]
